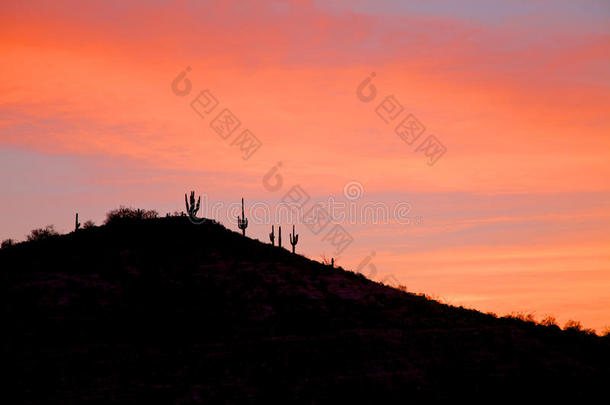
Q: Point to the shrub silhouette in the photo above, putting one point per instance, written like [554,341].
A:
[576,326]
[525,317]
[42,233]
[6,243]
[88,224]
[128,214]
[573,325]
[548,320]
[326,261]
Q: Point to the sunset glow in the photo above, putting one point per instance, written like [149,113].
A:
[513,217]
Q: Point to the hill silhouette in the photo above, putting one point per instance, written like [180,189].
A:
[165,311]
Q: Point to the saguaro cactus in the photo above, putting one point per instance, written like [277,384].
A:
[242,223]
[279,239]
[76,223]
[272,236]
[294,239]
[192,208]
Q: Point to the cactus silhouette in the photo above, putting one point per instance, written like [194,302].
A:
[192,208]
[242,223]
[272,236]
[279,239]
[294,239]
[76,223]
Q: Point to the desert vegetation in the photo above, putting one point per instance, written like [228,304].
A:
[202,306]
[127,215]
[42,233]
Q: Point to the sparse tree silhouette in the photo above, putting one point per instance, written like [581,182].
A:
[122,214]
[328,262]
[6,243]
[576,326]
[522,316]
[88,224]
[572,325]
[549,320]
[42,233]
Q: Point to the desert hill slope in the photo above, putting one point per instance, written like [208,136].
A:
[165,311]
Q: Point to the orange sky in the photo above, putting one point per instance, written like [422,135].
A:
[514,216]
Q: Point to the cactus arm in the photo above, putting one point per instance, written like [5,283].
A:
[193,207]
[294,239]
[242,223]
[272,236]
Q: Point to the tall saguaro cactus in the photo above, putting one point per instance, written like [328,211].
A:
[192,208]
[279,239]
[294,239]
[76,223]
[242,223]
[272,236]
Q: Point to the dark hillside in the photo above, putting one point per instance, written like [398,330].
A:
[164,311]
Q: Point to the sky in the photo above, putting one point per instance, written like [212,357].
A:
[497,199]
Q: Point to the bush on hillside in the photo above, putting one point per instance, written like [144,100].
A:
[6,243]
[576,326]
[42,233]
[89,224]
[124,214]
